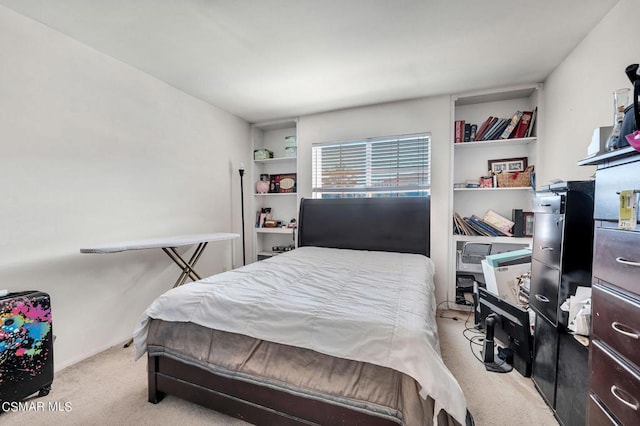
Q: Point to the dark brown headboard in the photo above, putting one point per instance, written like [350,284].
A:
[380,224]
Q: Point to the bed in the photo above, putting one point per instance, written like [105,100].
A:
[340,330]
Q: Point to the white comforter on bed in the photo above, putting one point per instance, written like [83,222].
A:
[373,307]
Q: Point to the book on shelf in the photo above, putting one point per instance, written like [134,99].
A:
[476,226]
[499,232]
[498,221]
[474,129]
[480,230]
[496,129]
[517,217]
[523,125]
[531,130]
[461,226]
[483,128]
[493,231]
[520,125]
[490,126]
[467,132]
[458,131]
[511,126]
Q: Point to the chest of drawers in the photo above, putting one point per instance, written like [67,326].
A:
[614,356]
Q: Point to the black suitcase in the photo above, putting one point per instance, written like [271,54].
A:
[26,345]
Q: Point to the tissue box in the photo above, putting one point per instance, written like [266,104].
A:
[290,151]
[262,154]
[290,142]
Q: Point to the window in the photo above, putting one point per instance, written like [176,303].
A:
[395,166]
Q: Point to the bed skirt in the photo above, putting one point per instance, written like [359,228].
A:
[238,375]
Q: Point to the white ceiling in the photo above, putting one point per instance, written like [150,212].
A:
[271,59]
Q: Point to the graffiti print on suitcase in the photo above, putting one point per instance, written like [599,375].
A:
[26,351]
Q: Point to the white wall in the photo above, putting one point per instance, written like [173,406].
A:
[578,94]
[422,115]
[94,151]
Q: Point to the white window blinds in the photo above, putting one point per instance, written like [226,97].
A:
[376,167]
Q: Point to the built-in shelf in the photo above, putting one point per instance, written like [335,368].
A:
[276,160]
[274,230]
[499,142]
[267,253]
[509,188]
[270,194]
[483,239]
[472,160]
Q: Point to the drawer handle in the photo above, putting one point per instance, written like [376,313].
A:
[626,262]
[542,298]
[619,328]
[545,205]
[545,248]
[615,391]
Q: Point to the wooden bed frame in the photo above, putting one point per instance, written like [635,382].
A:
[382,224]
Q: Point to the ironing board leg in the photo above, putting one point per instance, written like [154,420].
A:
[187,267]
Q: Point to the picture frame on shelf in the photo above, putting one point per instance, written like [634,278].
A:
[283,183]
[507,165]
[528,224]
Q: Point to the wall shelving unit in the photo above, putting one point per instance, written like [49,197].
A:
[271,135]
[469,161]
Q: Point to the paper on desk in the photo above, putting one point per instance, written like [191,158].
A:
[579,308]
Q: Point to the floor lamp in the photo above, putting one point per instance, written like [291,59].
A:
[241,171]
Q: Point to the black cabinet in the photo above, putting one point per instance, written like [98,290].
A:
[563,246]
[561,262]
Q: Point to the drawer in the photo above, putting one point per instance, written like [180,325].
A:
[551,203]
[545,359]
[617,259]
[547,240]
[609,182]
[616,321]
[616,384]
[597,415]
[572,380]
[543,294]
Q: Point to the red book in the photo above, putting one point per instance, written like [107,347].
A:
[459,131]
[521,130]
[483,128]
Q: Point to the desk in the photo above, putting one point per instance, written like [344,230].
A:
[169,245]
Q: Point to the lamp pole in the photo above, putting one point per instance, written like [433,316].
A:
[241,171]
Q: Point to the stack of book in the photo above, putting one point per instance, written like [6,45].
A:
[491,225]
[520,125]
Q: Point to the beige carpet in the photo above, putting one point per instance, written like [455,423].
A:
[111,389]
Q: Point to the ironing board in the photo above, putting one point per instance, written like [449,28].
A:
[169,245]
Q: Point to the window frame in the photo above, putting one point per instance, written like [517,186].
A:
[370,169]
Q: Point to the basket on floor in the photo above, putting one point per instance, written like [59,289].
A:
[515,179]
